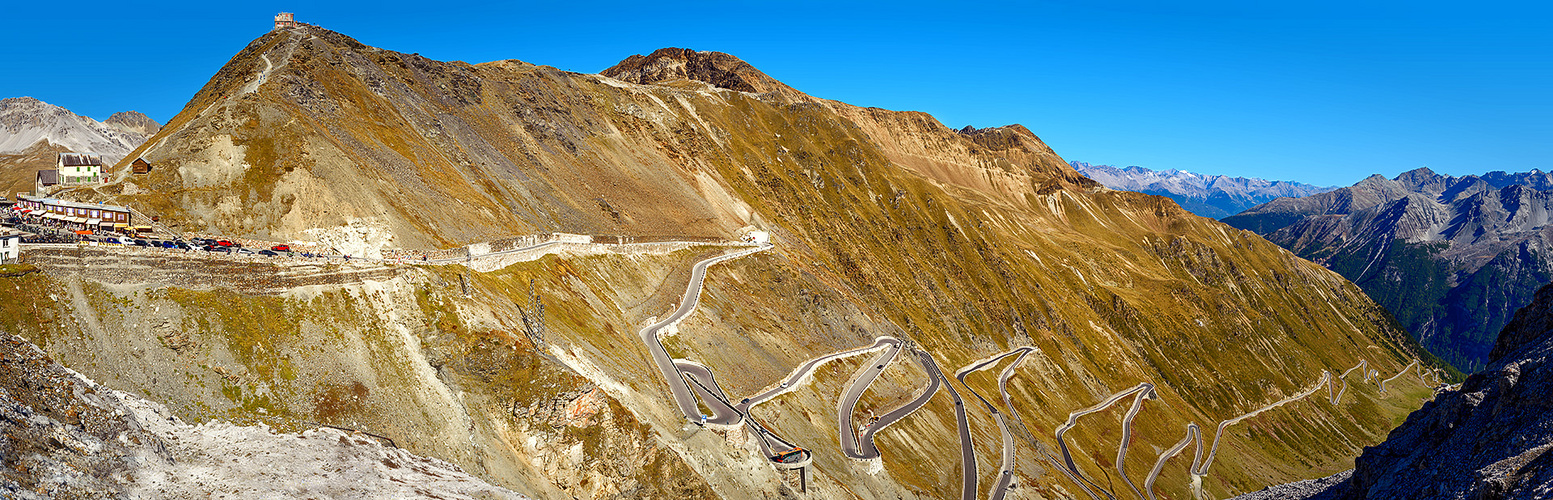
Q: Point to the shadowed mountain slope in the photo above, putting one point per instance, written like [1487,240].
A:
[1451,257]
[1487,439]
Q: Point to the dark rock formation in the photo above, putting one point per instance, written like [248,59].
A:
[716,68]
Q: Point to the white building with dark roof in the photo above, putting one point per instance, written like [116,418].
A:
[79,168]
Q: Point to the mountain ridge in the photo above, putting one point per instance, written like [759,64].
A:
[1212,196]
[1452,257]
[26,121]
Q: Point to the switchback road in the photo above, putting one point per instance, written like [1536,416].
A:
[1400,374]
[847,404]
[1006,473]
[671,374]
[1143,390]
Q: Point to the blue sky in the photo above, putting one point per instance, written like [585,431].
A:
[1319,92]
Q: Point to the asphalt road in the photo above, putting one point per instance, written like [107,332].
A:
[1006,473]
[1198,474]
[967,446]
[796,378]
[847,405]
[1399,375]
[1339,396]
[1192,433]
[1121,450]
[671,374]
[1073,417]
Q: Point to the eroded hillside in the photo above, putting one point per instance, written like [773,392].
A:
[966,243]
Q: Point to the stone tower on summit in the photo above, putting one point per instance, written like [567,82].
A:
[285,20]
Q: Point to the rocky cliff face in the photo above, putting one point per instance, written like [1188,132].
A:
[1212,196]
[1452,258]
[64,436]
[965,243]
[25,122]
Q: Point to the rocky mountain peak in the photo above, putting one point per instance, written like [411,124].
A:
[715,68]
[26,121]
[133,121]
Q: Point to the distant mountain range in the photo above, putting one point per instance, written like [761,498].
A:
[1451,257]
[1214,196]
[25,122]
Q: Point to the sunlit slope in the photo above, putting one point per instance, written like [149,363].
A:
[967,242]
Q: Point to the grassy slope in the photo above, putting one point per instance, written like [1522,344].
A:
[968,244]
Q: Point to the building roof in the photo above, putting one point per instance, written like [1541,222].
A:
[56,202]
[79,160]
[48,177]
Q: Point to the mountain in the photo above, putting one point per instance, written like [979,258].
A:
[133,122]
[1212,196]
[1451,257]
[26,122]
[534,360]
[1488,438]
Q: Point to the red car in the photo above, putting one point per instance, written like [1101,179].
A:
[281,248]
[224,243]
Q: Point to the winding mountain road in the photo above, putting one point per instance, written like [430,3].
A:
[1363,364]
[1142,389]
[1006,473]
[1400,374]
[967,445]
[847,405]
[671,373]
[692,384]
[1192,433]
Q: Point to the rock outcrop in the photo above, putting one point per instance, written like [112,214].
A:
[716,68]
[63,436]
[133,122]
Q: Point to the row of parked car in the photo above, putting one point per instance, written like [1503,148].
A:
[208,245]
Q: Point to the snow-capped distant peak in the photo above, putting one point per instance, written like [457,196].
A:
[1214,196]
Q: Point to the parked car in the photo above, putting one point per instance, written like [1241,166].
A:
[168,244]
[281,248]
[224,243]
[268,253]
[142,243]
